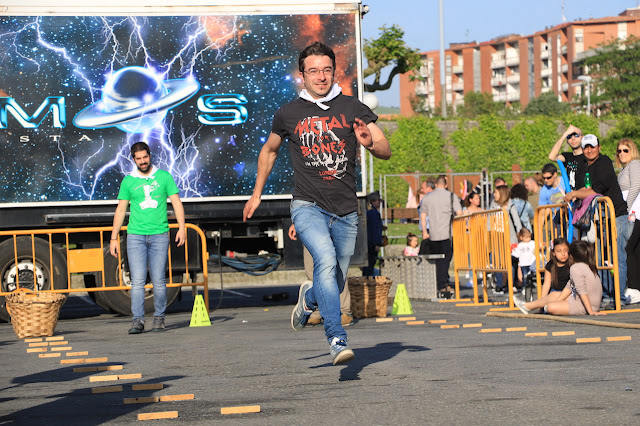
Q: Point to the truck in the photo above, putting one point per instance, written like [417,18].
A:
[198,80]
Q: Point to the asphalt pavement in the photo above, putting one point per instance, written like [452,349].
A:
[402,373]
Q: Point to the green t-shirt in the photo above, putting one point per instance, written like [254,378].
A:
[147,197]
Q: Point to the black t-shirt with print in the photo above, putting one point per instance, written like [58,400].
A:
[323,149]
[563,276]
[576,169]
[605,182]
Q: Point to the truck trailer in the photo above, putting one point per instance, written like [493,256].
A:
[199,81]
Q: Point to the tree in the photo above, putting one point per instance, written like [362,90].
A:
[389,49]
[478,103]
[547,104]
[615,69]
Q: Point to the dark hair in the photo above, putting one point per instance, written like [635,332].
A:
[584,252]
[497,179]
[441,180]
[410,236]
[519,191]
[467,201]
[549,168]
[318,49]
[139,146]
[554,263]
[522,232]
[430,183]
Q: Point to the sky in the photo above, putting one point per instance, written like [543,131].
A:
[473,20]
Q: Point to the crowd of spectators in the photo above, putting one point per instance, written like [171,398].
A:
[578,176]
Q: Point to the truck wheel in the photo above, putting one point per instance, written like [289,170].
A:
[90,282]
[119,301]
[43,268]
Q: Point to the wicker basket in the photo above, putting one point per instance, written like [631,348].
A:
[369,296]
[34,314]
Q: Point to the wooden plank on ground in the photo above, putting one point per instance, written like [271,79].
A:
[407,319]
[240,410]
[130,376]
[618,338]
[588,340]
[33,339]
[158,415]
[49,355]
[445,326]
[77,353]
[440,321]
[61,348]
[103,378]
[38,344]
[563,333]
[415,322]
[142,400]
[54,338]
[148,386]
[384,319]
[539,334]
[107,389]
[61,343]
[490,330]
[516,329]
[183,397]
[31,350]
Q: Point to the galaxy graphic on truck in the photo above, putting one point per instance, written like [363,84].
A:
[77,92]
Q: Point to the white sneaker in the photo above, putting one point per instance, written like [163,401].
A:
[520,304]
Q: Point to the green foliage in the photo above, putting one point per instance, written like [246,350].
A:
[476,104]
[389,49]
[417,145]
[547,104]
[626,126]
[615,70]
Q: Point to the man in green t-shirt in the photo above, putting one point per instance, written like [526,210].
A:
[147,189]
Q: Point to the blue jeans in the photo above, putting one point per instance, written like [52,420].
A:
[331,240]
[151,250]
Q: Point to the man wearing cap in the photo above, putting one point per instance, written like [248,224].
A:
[605,182]
[573,160]
[374,232]
[440,206]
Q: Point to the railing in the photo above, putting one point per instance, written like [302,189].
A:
[35,254]
[550,222]
[481,244]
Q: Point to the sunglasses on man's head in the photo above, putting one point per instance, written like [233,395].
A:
[625,150]
[573,135]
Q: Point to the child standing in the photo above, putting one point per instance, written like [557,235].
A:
[412,247]
[582,295]
[525,252]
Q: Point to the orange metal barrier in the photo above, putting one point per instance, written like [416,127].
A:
[546,230]
[34,252]
[481,244]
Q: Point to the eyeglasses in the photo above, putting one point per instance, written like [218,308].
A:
[626,151]
[573,135]
[547,177]
[314,72]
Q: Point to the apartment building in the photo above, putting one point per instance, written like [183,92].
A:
[515,68]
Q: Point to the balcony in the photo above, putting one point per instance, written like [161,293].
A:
[565,87]
[500,97]
[563,49]
[457,69]
[513,78]
[545,72]
[498,81]
[513,60]
[544,53]
[422,89]
[458,87]
[498,64]
[513,96]
[565,68]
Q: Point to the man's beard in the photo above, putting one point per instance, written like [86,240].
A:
[144,168]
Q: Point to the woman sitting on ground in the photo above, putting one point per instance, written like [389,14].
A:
[583,293]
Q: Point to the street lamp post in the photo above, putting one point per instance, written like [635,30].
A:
[587,79]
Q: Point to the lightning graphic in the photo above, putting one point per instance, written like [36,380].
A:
[124,43]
